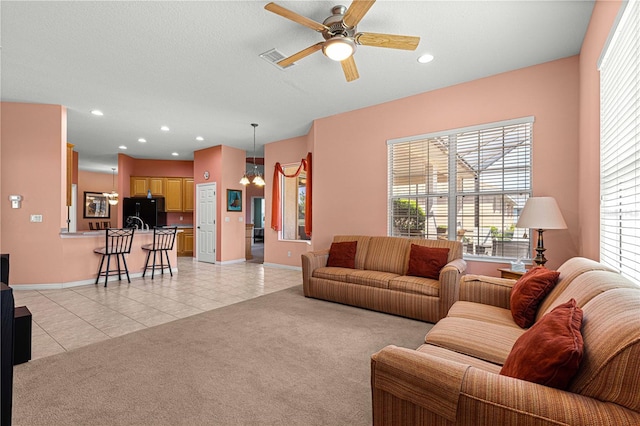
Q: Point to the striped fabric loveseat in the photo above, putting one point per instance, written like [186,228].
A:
[379,281]
[453,379]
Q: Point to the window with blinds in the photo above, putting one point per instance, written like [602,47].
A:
[467,184]
[620,145]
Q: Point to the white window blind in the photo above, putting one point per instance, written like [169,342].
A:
[620,146]
[467,184]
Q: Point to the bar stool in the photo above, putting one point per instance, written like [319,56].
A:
[163,240]
[118,243]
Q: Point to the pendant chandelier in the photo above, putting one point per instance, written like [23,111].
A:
[257,177]
[112,197]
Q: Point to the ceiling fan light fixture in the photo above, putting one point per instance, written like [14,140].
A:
[339,48]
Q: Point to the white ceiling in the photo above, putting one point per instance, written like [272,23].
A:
[195,66]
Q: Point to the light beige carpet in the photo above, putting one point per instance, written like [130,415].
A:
[277,359]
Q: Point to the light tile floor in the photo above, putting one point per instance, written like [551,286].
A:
[65,319]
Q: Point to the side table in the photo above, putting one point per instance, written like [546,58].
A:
[508,273]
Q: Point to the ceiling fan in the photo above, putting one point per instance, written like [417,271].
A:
[341,36]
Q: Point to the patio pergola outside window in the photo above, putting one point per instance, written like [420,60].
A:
[468,184]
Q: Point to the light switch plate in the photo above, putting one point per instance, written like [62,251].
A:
[36,218]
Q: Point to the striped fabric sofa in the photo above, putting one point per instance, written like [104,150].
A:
[453,379]
[379,281]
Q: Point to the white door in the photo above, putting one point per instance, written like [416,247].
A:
[206,222]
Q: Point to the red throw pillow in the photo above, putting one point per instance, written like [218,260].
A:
[343,255]
[427,261]
[550,352]
[528,292]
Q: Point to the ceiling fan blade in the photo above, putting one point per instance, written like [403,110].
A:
[302,20]
[356,12]
[350,69]
[391,41]
[301,54]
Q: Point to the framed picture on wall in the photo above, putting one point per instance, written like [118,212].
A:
[96,205]
[234,200]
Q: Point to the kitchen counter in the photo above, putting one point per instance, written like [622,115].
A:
[81,263]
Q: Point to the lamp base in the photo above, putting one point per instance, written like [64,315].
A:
[540,259]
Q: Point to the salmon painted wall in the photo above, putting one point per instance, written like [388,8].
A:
[286,152]
[33,135]
[94,182]
[602,19]
[549,92]
[232,231]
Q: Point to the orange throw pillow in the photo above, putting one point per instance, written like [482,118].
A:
[528,292]
[343,255]
[550,352]
[427,261]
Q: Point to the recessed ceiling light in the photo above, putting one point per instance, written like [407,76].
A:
[97,112]
[164,128]
[175,154]
[426,58]
[122,147]
[142,140]
[199,138]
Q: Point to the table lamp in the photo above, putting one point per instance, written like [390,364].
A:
[541,213]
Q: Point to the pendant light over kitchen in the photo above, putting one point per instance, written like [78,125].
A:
[112,197]
[257,177]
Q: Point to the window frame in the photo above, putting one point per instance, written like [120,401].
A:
[619,66]
[453,194]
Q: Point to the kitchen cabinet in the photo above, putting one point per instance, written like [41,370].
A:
[140,185]
[187,194]
[173,194]
[184,241]
[177,191]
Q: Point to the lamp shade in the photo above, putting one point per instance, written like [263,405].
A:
[541,213]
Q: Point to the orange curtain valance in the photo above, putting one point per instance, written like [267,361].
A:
[276,204]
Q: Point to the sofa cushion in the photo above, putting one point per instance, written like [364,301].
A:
[458,357]
[415,285]
[343,255]
[387,254]
[549,353]
[361,250]
[569,271]
[370,278]
[329,273]
[480,312]
[427,261]
[528,292]
[489,342]
[610,369]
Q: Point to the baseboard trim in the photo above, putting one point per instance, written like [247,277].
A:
[54,286]
[278,265]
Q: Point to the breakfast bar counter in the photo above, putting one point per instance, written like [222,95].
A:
[80,263]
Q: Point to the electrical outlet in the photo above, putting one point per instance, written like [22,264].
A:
[181,218]
[36,218]
[288,254]
[227,219]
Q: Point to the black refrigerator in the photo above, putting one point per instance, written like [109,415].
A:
[150,210]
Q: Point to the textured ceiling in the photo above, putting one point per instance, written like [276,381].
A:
[195,66]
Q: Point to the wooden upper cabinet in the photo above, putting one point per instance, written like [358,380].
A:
[173,194]
[139,186]
[187,194]
[156,185]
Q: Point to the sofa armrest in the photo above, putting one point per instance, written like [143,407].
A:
[420,379]
[410,387]
[486,290]
[450,284]
[311,261]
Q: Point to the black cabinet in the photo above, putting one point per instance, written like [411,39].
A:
[6,353]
